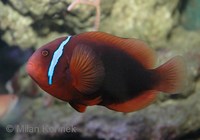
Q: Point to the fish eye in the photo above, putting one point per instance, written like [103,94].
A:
[45,53]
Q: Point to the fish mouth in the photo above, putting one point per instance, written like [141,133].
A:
[32,70]
[29,68]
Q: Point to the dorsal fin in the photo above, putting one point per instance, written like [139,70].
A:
[86,69]
[141,52]
[137,49]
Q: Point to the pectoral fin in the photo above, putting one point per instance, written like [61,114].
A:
[86,69]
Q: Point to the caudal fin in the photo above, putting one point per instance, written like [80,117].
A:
[171,75]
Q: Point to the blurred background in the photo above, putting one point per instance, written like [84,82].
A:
[171,27]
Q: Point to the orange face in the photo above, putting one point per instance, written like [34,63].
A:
[39,64]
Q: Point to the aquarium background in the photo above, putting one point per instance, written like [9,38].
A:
[171,27]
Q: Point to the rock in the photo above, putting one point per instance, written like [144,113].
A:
[168,120]
[149,20]
[16,28]
[33,22]
[191,16]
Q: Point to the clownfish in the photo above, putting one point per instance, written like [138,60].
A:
[96,68]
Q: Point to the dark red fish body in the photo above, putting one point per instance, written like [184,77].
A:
[125,77]
[100,69]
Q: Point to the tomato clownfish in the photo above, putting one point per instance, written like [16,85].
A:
[96,68]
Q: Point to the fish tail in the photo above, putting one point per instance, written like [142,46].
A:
[171,76]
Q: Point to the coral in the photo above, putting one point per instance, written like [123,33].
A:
[95,3]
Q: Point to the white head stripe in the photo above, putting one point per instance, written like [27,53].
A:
[56,56]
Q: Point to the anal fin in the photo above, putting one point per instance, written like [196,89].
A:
[137,103]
